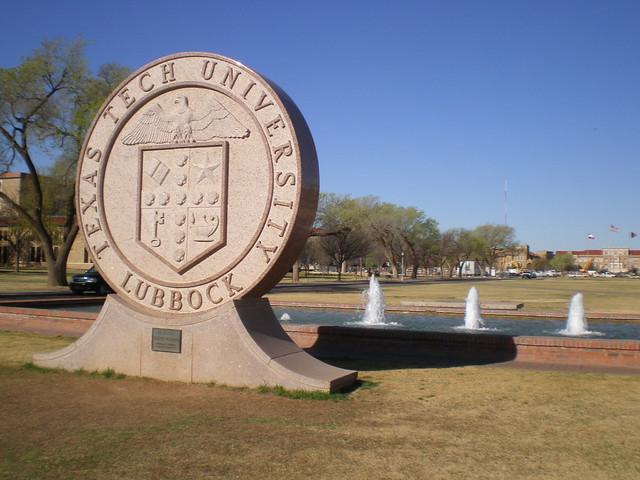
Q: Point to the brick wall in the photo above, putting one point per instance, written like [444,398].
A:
[427,347]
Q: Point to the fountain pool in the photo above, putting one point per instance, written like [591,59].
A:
[449,324]
[436,323]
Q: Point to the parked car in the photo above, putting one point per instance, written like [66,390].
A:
[576,275]
[528,274]
[91,280]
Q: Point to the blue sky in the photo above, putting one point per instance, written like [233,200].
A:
[432,104]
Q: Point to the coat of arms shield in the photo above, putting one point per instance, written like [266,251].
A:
[182,207]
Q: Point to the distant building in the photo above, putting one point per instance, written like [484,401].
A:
[520,259]
[13,185]
[30,252]
[546,254]
[611,259]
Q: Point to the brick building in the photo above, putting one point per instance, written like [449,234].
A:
[612,259]
[30,252]
[520,260]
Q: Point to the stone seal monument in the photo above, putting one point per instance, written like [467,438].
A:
[196,189]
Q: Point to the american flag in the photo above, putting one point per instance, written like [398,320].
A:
[613,229]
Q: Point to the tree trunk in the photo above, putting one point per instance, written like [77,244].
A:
[296,272]
[53,273]
[63,256]
[392,261]
[57,267]
[394,271]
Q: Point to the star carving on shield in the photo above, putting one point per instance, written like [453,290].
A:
[205,171]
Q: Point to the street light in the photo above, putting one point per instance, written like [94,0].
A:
[402,267]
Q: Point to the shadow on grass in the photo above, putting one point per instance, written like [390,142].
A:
[394,349]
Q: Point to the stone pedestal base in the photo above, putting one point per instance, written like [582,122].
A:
[239,344]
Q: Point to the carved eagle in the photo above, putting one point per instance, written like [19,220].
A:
[184,124]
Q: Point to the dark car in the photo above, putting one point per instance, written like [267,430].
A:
[528,274]
[91,280]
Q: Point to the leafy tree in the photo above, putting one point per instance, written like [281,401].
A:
[452,248]
[383,221]
[310,254]
[428,248]
[540,264]
[18,237]
[564,262]
[342,238]
[397,232]
[46,104]
[416,231]
[472,248]
[497,241]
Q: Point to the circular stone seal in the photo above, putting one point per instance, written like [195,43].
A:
[197,184]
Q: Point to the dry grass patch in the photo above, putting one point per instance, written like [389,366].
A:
[418,422]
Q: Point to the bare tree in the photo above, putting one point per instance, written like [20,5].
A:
[46,104]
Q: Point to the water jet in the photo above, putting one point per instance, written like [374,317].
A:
[576,319]
[472,318]
[373,298]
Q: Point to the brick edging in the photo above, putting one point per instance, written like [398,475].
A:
[433,347]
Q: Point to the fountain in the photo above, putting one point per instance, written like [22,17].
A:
[472,319]
[576,320]
[508,325]
[375,304]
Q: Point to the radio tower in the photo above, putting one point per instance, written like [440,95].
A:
[506,200]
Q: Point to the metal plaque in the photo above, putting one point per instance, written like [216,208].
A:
[166,340]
